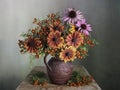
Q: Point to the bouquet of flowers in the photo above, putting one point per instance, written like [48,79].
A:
[66,36]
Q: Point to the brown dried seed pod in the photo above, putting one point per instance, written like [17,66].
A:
[35,20]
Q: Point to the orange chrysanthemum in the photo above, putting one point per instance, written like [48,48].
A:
[75,39]
[32,44]
[68,54]
[56,25]
[55,40]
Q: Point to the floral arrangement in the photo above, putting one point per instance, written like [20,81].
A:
[66,36]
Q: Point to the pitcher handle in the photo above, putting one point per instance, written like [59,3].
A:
[45,61]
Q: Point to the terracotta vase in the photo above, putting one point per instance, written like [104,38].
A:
[58,71]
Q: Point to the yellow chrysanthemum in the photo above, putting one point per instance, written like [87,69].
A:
[72,29]
[68,54]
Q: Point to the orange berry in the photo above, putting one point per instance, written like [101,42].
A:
[36,56]
[36,82]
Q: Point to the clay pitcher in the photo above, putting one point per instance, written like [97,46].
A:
[58,71]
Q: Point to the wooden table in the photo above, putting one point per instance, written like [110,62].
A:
[25,85]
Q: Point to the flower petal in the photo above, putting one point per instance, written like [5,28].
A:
[86,32]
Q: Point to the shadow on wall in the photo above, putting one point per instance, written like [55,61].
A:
[9,83]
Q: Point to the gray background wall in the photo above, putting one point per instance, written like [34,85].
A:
[103,61]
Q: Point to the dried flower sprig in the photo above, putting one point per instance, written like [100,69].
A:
[78,80]
[38,79]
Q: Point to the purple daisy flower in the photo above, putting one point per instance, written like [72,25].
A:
[72,16]
[84,27]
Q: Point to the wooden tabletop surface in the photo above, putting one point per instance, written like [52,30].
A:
[25,85]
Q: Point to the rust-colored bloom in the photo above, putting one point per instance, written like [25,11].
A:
[68,54]
[75,39]
[55,40]
[52,15]
[56,25]
[32,44]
